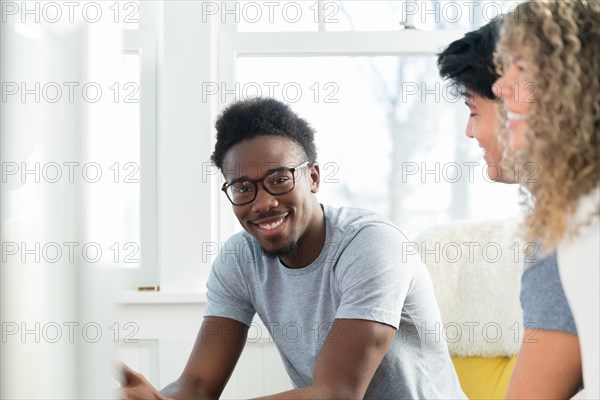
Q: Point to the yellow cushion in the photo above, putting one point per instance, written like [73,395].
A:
[484,378]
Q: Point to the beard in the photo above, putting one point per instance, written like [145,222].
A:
[290,250]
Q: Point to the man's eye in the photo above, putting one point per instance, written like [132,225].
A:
[241,188]
[279,180]
[471,115]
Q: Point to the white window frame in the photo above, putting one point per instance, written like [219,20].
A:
[233,44]
[142,42]
[186,57]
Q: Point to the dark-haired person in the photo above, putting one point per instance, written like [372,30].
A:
[337,275]
[549,362]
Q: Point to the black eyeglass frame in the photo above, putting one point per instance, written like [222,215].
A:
[262,179]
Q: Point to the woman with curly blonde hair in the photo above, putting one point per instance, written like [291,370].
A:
[549,56]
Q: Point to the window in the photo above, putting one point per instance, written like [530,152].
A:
[390,133]
[121,206]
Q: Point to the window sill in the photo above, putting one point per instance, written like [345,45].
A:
[134,297]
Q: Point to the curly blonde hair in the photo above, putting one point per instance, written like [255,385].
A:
[560,39]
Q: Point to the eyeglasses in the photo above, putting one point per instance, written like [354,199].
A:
[277,181]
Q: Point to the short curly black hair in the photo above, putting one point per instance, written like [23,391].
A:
[469,62]
[253,117]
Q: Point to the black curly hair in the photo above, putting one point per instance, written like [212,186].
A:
[249,118]
[469,62]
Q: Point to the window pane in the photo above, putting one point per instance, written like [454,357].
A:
[390,136]
[267,16]
[421,14]
[113,168]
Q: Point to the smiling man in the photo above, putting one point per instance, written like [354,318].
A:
[469,64]
[351,315]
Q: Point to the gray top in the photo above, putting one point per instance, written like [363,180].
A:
[542,297]
[361,273]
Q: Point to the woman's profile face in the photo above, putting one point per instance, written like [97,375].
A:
[517,90]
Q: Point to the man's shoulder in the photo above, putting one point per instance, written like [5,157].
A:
[349,221]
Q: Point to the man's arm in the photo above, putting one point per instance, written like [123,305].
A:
[214,356]
[347,361]
[548,366]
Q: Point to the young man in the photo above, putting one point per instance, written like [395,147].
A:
[549,361]
[362,311]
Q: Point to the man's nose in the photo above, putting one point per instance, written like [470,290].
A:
[469,129]
[264,200]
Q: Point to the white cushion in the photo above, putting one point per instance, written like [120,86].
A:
[476,269]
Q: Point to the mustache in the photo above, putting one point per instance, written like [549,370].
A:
[269,214]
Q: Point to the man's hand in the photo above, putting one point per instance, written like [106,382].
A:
[136,387]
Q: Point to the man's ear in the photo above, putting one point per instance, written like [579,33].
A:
[315,178]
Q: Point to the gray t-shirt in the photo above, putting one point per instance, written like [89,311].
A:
[362,273]
[543,299]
